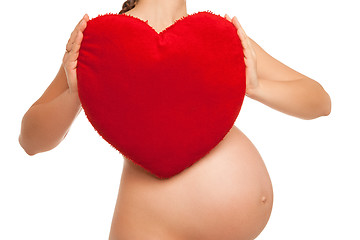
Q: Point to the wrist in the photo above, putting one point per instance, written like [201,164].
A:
[74,95]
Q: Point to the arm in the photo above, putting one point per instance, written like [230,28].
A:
[48,120]
[278,86]
[286,90]
[303,98]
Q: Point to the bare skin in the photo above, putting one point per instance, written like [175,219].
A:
[225,195]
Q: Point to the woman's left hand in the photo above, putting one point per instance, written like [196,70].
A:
[249,56]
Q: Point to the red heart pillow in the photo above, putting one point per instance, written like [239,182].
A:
[163,100]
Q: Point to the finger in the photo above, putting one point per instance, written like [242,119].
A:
[86,17]
[76,46]
[241,34]
[82,25]
[242,38]
[245,44]
[237,24]
[74,32]
[227,17]
[74,53]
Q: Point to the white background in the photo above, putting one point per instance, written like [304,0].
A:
[70,191]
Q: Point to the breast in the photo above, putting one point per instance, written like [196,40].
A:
[225,195]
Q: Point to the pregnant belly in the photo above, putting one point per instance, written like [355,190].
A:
[226,195]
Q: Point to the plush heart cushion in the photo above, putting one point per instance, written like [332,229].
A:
[163,100]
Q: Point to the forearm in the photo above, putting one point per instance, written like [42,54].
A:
[45,125]
[304,98]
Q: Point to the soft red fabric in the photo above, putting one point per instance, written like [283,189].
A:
[163,100]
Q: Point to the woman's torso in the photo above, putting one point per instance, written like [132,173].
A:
[225,195]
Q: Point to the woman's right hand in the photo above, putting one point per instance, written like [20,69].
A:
[72,53]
